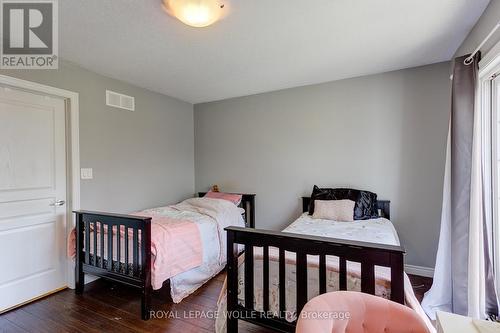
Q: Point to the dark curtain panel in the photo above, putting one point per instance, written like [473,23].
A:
[462,120]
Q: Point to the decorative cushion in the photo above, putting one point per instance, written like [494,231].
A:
[366,202]
[234,198]
[336,210]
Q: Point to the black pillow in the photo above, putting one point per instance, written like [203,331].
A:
[366,202]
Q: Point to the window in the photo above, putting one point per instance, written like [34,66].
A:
[489,105]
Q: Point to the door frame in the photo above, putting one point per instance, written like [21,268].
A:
[72,151]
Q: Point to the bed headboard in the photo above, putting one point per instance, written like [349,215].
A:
[383,207]
[248,204]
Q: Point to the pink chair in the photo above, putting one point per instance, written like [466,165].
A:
[355,312]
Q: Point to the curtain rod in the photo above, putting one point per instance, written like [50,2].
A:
[469,59]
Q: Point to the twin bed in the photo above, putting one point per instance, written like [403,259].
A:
[280,271]
[180,246]
[270,274]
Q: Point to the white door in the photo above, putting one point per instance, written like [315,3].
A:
[32,196]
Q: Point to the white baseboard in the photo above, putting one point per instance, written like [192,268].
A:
[419,270]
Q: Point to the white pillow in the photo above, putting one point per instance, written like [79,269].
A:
[337,210]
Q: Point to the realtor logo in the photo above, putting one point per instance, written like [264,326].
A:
[29,34]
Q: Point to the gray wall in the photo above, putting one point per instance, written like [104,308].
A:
[486,22]
[385,133]
[140,159]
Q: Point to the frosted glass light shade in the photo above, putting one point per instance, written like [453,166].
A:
[196,13]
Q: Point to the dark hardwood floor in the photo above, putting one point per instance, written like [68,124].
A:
[105,307]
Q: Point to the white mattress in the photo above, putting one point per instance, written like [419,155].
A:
[379,230]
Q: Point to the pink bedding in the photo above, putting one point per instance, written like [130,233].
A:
[175,247]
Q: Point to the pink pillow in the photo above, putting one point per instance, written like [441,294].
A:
[234,198]
[336,210]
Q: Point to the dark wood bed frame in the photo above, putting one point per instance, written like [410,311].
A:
[368,255]
[138,273]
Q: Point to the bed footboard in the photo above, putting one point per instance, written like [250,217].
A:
[368,255]
[115,247]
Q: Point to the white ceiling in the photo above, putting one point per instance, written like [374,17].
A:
[260,45]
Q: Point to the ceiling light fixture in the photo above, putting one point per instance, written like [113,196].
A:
[196,13]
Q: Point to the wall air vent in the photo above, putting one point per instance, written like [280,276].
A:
[120,101]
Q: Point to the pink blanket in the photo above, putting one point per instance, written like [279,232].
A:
[175,247]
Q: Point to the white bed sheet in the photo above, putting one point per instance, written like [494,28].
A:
[211,224]
[379,230]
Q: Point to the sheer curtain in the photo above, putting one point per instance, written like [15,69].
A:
[482,298]
[463,279]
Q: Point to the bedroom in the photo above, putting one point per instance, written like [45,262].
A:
[268,101]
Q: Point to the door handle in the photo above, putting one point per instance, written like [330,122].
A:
[58,203]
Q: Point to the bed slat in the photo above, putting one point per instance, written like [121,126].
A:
[110,247]
[342,274]
[367,278]
[95,244]
[118,245]
[102,244]
[265,272]
[282,285]
[87,242]
[301,281]
[249,276]
[322,274]
[139,248]
[135,246]
[126,251]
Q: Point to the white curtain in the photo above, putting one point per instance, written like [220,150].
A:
[439,298]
